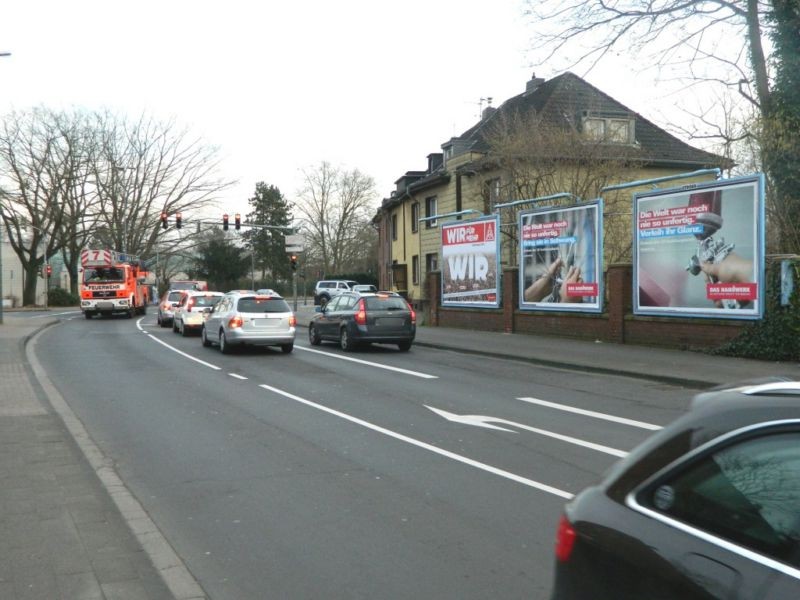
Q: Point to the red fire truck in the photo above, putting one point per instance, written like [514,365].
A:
[112,282]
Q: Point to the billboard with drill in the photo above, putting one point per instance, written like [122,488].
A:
[471,257]
[700,251]
[560,254]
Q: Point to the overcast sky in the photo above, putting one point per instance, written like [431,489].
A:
[280,86]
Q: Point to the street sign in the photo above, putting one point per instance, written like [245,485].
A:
[295,242]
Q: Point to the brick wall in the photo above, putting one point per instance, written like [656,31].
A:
[616,324]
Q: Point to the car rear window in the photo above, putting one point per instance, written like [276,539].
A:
[385,303]
[174,296]
[254,304]
[206,300]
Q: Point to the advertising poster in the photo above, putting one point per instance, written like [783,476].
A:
[700,251]
[471,257]
[560,254]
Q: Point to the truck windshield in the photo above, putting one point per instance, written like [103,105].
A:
[103,275]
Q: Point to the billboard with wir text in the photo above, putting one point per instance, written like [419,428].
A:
[700,251]
[471,263]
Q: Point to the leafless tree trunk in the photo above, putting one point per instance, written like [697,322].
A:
[336,206]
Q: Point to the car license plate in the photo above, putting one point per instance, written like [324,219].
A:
[266,323]
[389,322]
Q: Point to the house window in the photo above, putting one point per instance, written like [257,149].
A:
[394,227]
[612,130]
[415,270]
[492,193]
[415,217]
[431,262]
[430,211]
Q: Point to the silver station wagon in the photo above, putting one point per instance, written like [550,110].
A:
[248,318]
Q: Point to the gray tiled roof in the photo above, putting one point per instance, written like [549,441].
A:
[561,100]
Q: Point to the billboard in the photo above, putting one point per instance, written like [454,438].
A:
[560,258]
[700,251]
[471,257]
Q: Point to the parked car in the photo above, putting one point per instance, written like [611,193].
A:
[166,307]
[353,318]
[247,318]
[709,507]
[327,289]
[191,312]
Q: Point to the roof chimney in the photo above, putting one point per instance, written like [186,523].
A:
[533,84]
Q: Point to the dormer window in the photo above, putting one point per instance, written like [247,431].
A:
[607,128]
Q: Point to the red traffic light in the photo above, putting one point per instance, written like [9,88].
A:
[164,223]
[49,270]
[225,222]
[237,219]
[293,259]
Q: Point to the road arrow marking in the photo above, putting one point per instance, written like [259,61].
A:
[485,421]
[424,445]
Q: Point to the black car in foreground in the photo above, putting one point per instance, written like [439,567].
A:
[355,318]
[709,507]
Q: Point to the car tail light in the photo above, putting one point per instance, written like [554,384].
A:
[361,314]
[189,305]
[235,322]
[565,539]
[292,321]
[413,314]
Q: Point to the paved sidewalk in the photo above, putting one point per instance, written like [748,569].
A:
[691,369]
[61,535]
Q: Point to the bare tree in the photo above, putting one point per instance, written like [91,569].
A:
[69,179]
[144,168]
[539,159]
[34,165]
[336,206]
[702,43]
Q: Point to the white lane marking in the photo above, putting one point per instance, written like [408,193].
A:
[236,376]
[166,345]
[424,445]
[370,364]
[591,413]
[483,421]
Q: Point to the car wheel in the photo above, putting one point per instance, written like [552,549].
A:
[313,336]
[345,342]
[158,320]
[174,326]
[131,312]
[88,314]
[204,337]
[323,301]
[224,347]
[287,348]
[404,346]
[184,331]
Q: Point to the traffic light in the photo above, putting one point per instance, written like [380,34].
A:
[49,270]
[164,223]
[293,259]
[178,220]
[237,219]
[225,222]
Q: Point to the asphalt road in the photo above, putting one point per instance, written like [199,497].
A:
[323,474]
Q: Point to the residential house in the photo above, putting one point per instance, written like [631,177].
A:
[562,135]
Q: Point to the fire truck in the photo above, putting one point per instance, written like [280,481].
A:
[112,282]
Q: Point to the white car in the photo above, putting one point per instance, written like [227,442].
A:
[192,311]
[250,319]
